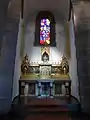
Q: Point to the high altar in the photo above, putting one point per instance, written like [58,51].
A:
[44,79]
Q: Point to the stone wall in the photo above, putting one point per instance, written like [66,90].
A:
[7,59]
[82,68]
[82,35]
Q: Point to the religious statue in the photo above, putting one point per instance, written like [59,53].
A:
[45,57]
[65,66]
[25,65]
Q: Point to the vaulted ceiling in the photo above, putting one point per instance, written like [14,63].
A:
[61,7]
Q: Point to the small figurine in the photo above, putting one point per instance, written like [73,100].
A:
[65,66]
[65,70]
[25,65]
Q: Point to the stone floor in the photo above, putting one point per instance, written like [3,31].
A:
[22,111]
[45,116]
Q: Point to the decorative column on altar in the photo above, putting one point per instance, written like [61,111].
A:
[26,88]
[51,88]
[39,88]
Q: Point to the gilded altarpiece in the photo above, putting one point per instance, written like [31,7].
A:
[45,77]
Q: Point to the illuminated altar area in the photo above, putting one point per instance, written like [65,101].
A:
[44,71]
[45,64]
[45,79]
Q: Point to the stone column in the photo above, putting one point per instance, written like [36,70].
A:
[26,89]
[39,88]
[51,87]
[63,89]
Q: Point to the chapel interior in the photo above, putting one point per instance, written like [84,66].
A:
[44,56]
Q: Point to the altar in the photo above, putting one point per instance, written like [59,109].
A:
[45,88]
[44,79]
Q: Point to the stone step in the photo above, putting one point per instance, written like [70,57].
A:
[48,109]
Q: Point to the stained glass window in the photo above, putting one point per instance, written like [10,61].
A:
[45,31]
